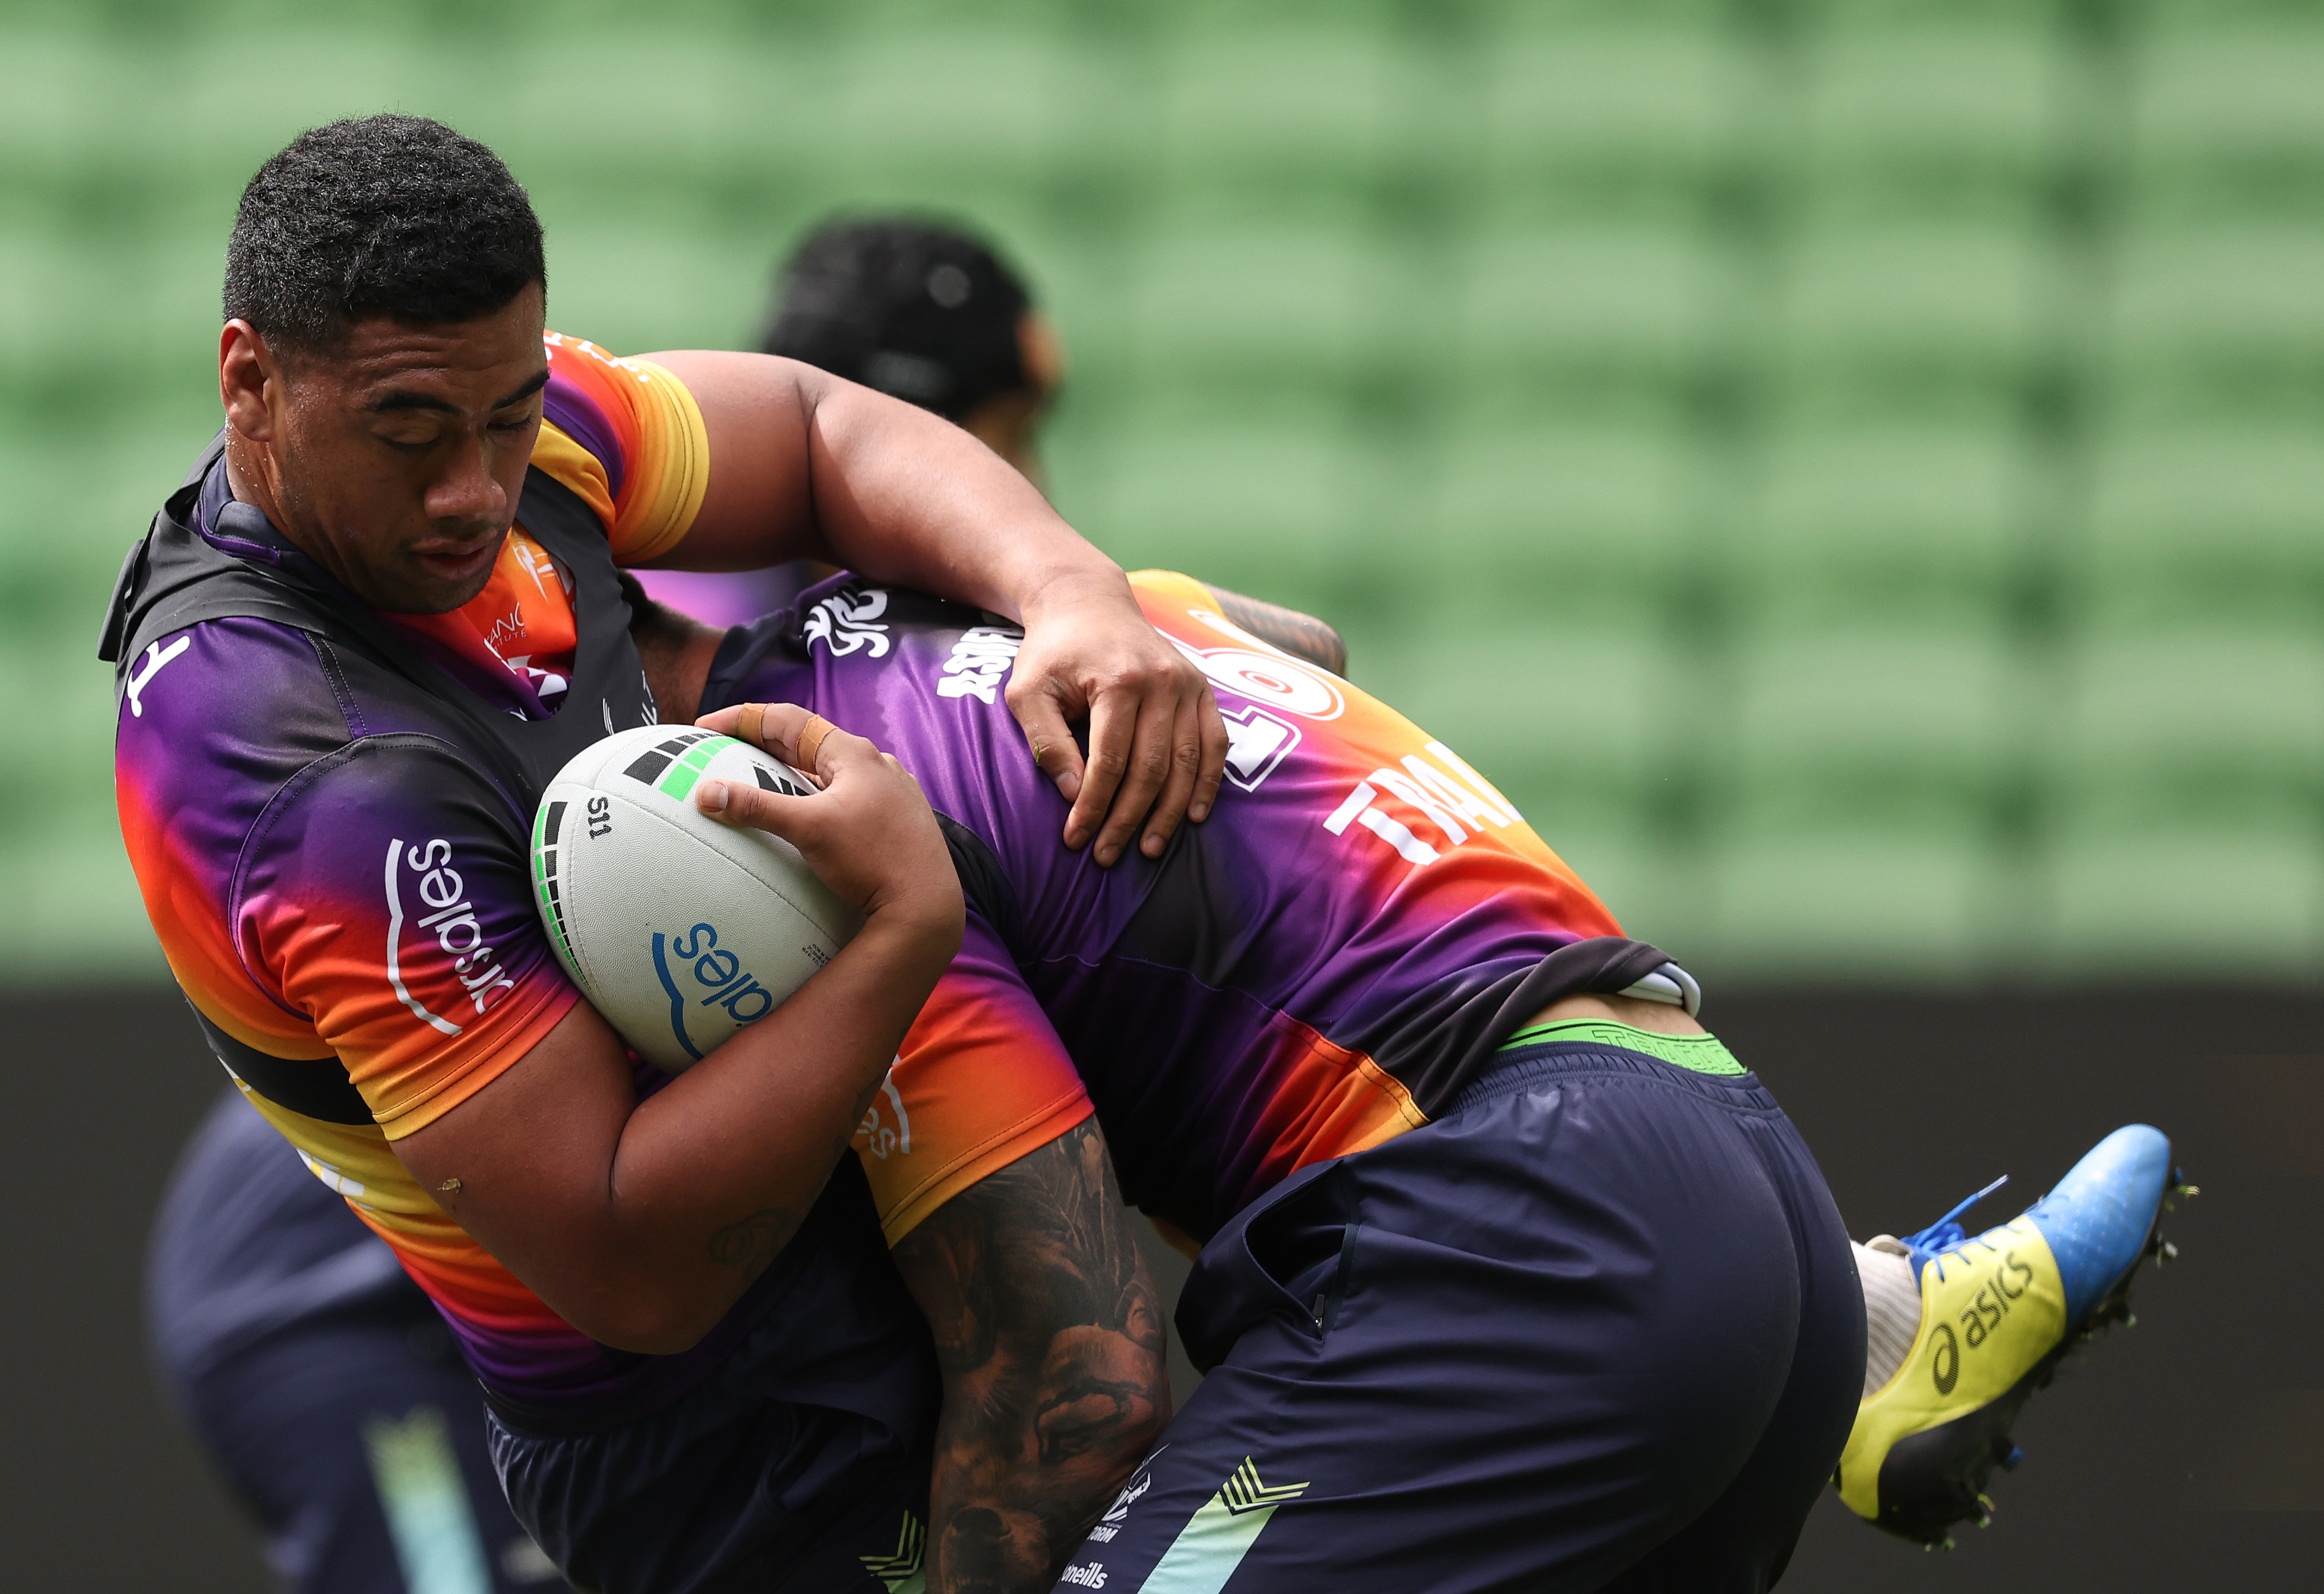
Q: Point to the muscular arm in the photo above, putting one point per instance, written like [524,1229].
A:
[1050,1336]
[640,1223]
[806,465]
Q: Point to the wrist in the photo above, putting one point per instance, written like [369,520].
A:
[928,919]
[1055,588]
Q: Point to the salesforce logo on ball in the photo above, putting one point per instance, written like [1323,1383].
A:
[696,971]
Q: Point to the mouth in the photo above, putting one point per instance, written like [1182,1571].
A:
[447,560]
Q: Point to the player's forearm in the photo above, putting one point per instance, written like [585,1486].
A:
[906,497]
[642,1223]
[803,465]
[1005,1517]
[714,1173]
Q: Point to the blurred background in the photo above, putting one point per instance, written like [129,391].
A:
[1850,471]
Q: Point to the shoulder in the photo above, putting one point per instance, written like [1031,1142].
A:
[227,670]
[241,747]
[229,718]
[627,436]
[214,719]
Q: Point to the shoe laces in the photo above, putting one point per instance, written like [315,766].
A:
[1942,1237]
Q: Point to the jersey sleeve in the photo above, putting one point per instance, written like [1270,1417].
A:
[981,1080]
[384,895]
[627,438]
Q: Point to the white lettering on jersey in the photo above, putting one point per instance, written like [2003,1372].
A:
[1255,742]
[846,624]
[1456,804]
[880,1139]
[459,934]
[981,660]
[1475,782]
[156,656]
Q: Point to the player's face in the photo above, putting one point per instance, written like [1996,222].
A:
[397,459]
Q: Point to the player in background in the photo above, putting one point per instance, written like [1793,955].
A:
[380,613]
[928,312]
[921,311]
[320,1382]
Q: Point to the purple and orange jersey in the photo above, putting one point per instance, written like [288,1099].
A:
[334,888]
[1273,992]
[326,885]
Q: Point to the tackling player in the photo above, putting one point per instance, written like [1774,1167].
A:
[382,610]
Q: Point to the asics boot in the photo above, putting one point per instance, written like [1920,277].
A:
[1998,1312]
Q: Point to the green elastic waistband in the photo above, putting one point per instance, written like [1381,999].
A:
[1704,1054]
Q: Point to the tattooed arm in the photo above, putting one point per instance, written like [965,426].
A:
[1049,1333]
[1303,636]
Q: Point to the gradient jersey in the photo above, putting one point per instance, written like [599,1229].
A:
[1272,992]
[326,886]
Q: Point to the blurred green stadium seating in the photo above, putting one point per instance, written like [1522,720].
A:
[1854,471]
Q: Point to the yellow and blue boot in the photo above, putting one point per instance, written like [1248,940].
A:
[1998,1312]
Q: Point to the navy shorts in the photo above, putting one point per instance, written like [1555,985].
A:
[1597,1327]
[802,1462]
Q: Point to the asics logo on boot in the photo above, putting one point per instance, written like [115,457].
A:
[1991,1303]
[1983,1315]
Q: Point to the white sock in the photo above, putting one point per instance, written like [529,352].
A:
[1892,1307]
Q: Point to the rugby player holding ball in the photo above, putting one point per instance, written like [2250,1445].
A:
[1513,1275]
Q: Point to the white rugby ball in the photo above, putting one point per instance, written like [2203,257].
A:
[680,930]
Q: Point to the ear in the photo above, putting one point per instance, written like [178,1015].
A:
[249,375]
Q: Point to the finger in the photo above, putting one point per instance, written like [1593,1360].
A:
[1112,735]
[1212,728]
[811,737]
[798,736]
[1145,773]
[1051,740]
[1178,788]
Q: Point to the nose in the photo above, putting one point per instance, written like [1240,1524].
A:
[466,490]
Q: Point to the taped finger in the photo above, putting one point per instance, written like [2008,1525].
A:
[810,738]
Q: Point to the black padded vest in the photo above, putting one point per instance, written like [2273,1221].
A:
[173,577]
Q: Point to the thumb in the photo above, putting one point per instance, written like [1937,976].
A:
[748,807]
